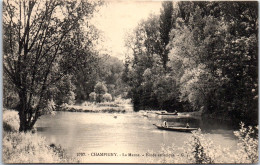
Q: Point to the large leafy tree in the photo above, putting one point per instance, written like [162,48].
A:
[43,41]
[144,45]
[211,62]
[147,69]
[214,56]
[166,22]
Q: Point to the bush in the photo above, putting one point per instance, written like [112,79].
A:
[107,97]
[120,100]
[93,96]
[100,90]
[50,108]
[248,144]
[10,120]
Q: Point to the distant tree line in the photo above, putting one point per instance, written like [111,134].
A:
[196,56]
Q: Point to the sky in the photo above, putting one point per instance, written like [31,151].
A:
[116,18]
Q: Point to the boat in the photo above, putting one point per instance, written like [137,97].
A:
[180,129]
[166,113]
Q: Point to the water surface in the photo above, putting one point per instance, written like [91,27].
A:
[92,133]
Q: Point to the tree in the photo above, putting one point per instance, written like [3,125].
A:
[166,23]
[145,46]
[42,42]
[213,56]
[63,91]
[110,71]
[86,73]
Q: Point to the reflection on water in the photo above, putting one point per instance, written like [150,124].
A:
[128,133]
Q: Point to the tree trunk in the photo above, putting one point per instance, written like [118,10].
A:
[24,113]
[24,124]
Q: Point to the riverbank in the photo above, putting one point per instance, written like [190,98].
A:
[194,114]
[27,147]
[107,107]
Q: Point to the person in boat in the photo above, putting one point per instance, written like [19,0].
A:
[165,124]
[187,125]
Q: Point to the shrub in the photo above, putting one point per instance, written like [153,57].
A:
[198,149]
[202,150]
[100,90]
[248,144]
[50,108]
[120,100]
[10,120]
[107,97]
[93,96]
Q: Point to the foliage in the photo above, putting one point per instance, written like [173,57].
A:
[26,147]
[63,92]
[206,46]
[120,100]
[209,62]
[200,149]
[146,67]
[100,90]
[107,97]
[85,75]
[42,42]
[248,144]
[10,120]
[166,22]
[92,96]
[98,68]
[111,71]
[10,97]
[105,107]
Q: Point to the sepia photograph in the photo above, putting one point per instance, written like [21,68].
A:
[130,81]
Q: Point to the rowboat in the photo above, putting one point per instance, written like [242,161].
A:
[180,129]
[166,113]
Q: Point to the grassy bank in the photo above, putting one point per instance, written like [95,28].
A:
[106,107]
[27,147]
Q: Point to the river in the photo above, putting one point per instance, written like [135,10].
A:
[94,133]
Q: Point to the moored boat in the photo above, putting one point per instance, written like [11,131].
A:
[180,129]
[166,113]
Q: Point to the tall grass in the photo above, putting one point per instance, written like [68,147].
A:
[26,147]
